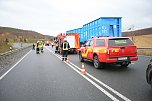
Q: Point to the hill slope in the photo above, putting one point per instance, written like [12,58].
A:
[141,38]
[145,31]
[19,33]
[10,35]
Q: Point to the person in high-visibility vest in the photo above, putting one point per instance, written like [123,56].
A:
[39,47]
[65,47]
[42,46]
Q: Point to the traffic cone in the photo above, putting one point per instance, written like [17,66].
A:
[83,71]
[67,61]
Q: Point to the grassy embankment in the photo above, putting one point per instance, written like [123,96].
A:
[4,48]
[143,41]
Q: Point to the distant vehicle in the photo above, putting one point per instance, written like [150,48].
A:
[47,43]
[106,50]
[149,73]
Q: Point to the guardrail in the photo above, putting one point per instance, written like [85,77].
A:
[13,51]
[145,51]
[10,57]
[144,48]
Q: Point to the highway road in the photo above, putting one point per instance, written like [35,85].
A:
[44,77]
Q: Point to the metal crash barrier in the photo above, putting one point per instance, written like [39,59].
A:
[144,51]
[7,58]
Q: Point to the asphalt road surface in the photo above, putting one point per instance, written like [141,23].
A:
[44,77]
[20,45]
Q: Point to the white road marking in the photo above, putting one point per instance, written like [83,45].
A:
[96,85]
[103,84]
[92,82]
[14,66]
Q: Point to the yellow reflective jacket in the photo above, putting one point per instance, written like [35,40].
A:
[65,46]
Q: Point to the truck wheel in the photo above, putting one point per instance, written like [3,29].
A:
[97,64]
[80,57]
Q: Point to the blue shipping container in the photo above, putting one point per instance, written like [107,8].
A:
[103,26]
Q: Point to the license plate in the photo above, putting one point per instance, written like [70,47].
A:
[122,58]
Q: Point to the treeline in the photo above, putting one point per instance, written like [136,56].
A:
[8,36]
[18,35]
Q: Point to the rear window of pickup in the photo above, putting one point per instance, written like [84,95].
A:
[120,42]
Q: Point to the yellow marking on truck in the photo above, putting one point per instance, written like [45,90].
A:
[102,51]
[99,50]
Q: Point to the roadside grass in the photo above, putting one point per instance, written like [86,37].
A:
[143,41]
[4,48]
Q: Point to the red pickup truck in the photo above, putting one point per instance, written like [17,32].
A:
[106,50]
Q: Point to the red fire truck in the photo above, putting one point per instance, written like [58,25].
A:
[73,39]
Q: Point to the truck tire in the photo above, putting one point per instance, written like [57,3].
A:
[97,64]
[80,57]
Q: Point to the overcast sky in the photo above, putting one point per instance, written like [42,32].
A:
[52,17]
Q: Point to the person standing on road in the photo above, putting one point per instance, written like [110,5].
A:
[65,47]
[52,44]
[56,47]
[33,46]
[42,47]
[39,47]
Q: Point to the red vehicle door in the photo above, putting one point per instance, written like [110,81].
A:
[90,50]
[87,50]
